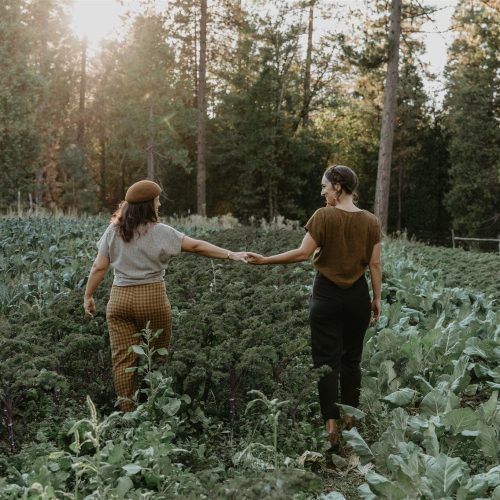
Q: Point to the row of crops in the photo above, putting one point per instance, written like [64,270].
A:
[231,410]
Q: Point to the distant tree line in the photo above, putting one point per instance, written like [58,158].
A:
[282,100]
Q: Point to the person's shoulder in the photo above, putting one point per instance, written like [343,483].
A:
[370,216]
[165,228]
[317,216]
[160,226]
[324,212]
[111,228]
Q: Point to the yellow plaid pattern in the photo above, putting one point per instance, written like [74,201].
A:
[128,311]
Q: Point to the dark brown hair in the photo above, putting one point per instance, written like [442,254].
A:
[129,216]
[347,179]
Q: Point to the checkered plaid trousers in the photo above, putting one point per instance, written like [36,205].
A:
[128,311]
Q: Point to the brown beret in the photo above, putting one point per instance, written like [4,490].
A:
[142,191]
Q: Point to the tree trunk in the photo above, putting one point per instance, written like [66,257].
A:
[201,188]
[388,118]
[102,162]
[195,58]
[151,146]
[400,198]
[80,134]
[272,199]
[44,71]
[307,76]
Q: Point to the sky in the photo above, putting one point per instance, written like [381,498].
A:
[438,38]
[98,19]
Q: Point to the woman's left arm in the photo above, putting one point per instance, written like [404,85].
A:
[304,252]
[96,275]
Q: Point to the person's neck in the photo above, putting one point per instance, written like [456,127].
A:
[346,203]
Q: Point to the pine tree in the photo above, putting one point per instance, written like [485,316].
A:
[139,111]
[472,105]
[19,88]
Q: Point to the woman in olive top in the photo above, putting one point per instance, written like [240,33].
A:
[347,241]
[139,247]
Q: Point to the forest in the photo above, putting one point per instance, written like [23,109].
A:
[237,107]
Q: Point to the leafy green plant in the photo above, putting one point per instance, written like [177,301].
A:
[429,391]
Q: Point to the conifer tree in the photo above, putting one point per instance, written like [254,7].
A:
[19,88]
[472,104]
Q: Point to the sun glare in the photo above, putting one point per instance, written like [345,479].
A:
[95,19]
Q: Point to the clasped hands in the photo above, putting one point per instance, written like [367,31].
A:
[247,257]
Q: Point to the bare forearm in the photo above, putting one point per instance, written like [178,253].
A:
[296,255]
[376,279]
[95,277]
[209,250]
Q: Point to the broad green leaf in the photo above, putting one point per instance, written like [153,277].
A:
[132,469]
[125,484]
[460,377]
[425,383]
[434,403]
[350,411]
[470,433]
[376,479]
[470,390]
[366,493]
[407,468]
[481,370]
[496,494]
[387,376]
[494,475]
[488,440]
[387,489]
[162,351]
[460,419]
[474,348]
[402,397]
[137,349]
[358,444]
[172,407]
[477,485]
[116,453]
[444,473]
[495,374]
[431,442]
[489,409]
[333,495]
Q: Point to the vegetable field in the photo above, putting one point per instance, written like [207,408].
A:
[231,410]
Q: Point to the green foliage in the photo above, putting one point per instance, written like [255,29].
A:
[19,85]
[140,104]
[472,122]
[261,164]
[232,404]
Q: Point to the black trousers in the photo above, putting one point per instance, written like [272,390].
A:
[338,318]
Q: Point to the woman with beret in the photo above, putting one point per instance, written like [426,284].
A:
[138,247]
[345,241]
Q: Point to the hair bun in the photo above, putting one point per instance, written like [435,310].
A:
[345,176]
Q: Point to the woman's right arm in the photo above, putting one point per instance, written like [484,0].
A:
[375,266]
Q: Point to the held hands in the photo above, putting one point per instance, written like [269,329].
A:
[255,258]
[238,256]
